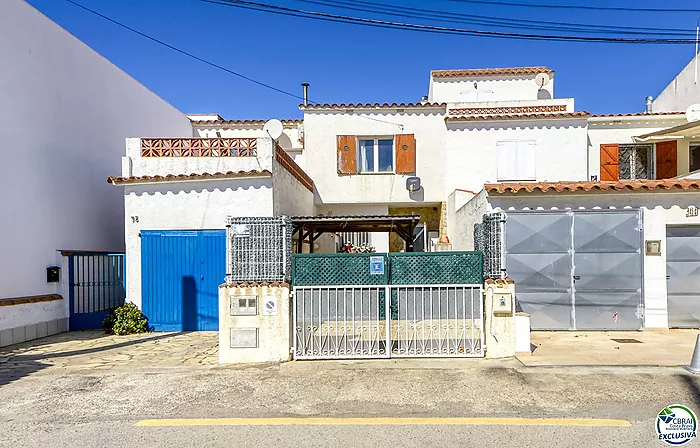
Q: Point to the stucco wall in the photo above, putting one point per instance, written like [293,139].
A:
[66,111]
[290,197]
[681,92]
[504,88]
[471,156]
[135,165]
[464,209]
[659,210]
[187,206]
[621,131]
[322,129]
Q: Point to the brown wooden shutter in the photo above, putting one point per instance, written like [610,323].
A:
[666,159]
[609,162]
[347,154]
[405,153]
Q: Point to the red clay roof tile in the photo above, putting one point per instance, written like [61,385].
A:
[572,187]
[505,71]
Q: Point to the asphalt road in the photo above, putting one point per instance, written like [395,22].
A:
[64,408]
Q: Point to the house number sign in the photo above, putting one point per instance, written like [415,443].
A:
[691,212]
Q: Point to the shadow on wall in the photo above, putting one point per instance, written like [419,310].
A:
[189,304]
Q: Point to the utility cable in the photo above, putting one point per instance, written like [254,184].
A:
[274,9]
[588,7]
[455,17]
[188,54]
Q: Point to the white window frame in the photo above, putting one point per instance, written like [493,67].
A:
[516,177]
[375,168]
[692,145]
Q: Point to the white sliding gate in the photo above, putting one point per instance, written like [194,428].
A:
[349,321]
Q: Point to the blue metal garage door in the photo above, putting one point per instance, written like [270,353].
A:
[180,276]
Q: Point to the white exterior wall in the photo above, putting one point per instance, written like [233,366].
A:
[471,156]
[464,209]
[621,130]
[290,197]
[681,92]
[659,210]
[322,129]
[66,111]
[196,205]
[503,88]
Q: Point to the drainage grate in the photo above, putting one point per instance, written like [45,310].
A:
[627,341]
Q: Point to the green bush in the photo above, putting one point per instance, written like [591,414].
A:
[127,319]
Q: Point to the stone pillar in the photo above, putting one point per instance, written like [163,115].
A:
[499,325]
[254,323]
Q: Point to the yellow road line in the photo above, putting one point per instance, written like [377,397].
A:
[294,421]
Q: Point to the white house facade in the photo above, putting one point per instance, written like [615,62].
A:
[615,191]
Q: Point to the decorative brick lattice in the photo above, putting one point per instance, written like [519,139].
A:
[199,147]
[507,110]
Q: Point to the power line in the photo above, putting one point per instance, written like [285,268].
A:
[274,9]
[455,17]
[247,78]
[165,44]
[588,7]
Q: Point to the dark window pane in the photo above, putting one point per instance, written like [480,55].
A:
[386,155]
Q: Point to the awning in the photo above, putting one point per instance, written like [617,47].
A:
[688,130]
[312,227]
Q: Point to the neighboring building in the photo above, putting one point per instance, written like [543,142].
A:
[682,92]
[65,112]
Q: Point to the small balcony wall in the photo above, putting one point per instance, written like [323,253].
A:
[187,156]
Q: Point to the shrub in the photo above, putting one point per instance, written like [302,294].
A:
[127,319]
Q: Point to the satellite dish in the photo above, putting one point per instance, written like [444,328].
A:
[542,79]
[693,113]
[273,128]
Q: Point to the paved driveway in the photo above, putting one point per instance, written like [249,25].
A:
[95,350]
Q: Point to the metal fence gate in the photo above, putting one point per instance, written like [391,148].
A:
[97,285]
[340,310]
[577,270]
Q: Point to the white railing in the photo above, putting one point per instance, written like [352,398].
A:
[341,321]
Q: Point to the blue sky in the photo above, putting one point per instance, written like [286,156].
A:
[347,63]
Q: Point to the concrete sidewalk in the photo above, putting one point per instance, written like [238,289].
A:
[597,348]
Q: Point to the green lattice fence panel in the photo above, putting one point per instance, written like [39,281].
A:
[336,269]
[432,268]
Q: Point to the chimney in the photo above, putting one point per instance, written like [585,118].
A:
[649,100]
[305,86]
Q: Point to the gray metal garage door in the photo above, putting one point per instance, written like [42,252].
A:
[579,270]
[683,273]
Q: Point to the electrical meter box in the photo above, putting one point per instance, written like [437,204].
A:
[502,303]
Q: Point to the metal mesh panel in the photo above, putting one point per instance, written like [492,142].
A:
[336,269]
[491,244]
[259,249]
[436,268]
[636,162]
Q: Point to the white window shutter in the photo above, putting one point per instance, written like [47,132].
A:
[507,160]
[527,161]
